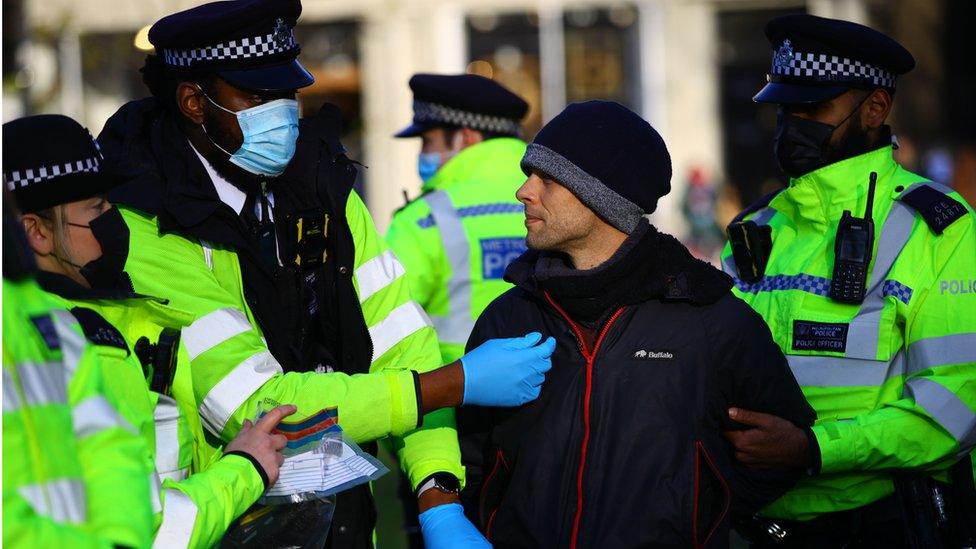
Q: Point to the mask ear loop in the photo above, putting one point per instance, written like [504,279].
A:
[204,126]
[856,109]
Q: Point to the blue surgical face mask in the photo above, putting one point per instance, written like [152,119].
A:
[270,133]
[428,164]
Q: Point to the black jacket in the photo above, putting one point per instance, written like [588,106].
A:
[623,448]
[310,316]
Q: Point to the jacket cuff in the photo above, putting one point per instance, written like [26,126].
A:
[257,465]
[837,444]
[813,451]
[404,412]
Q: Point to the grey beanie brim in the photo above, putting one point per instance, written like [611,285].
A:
[604,201]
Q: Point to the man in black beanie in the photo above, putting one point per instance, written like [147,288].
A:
[624,446]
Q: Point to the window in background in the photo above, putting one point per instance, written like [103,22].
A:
[330,51]
[602,55]
[505,47]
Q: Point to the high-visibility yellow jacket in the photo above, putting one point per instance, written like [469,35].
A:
[893,379]
[74,474]
[232,371]
[197,491]
[457,239]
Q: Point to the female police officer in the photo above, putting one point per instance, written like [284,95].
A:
[81,244]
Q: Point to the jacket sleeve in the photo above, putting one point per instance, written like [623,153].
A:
[754,375]
[403,339]
[934,421]
[198,510]
[231,367]
[407,240]
[114,458]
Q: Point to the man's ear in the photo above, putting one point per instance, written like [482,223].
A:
[470,137]
[876,108]
[189,99]
[39,236]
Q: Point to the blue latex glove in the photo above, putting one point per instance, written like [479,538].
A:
[507,372]
[446,527]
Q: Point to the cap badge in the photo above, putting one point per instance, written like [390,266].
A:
[280,35]
[784,57]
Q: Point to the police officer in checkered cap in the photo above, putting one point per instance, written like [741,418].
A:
[848,265]
[467,128]
[260,216]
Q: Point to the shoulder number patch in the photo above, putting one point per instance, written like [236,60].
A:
[98,330]
[938,209]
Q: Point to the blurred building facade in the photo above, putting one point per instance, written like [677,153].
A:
[690,67]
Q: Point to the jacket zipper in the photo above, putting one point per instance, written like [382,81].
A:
[589,357]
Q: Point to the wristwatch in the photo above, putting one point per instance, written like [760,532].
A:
[445,482]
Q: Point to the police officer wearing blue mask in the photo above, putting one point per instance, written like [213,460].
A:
[219,157]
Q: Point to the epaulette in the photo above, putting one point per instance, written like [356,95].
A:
[938,209]
[98,330]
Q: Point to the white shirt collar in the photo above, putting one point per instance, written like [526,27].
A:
[228,193]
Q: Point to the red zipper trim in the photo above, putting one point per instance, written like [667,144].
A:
[701,451]
[499,459]
[589,357]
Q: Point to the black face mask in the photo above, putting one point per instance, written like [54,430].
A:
[112,235]
[802,145]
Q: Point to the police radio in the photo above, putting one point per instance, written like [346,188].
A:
[852,252]
[159,360]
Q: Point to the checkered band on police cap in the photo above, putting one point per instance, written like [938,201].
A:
[23,177]
[441,114]
[281,40]
[827,68]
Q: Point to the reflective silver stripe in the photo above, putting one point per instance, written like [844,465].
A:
[728,265]
[862,337]
[838,371]
[176,475]
[938,351]
[179,517]
[400,323]
[237,386]
[377,273]
[213,329]
[155,492]
[94,415]
[11,399]
[42,383]
[72,342]
[457,325]
[207,253]
[167,420]
[946,408]
[61,500]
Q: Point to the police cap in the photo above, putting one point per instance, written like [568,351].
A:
[249,43]
[816,59]
[464,100]
[50,159]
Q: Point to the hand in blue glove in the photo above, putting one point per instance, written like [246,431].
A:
[446,527]
[507,372]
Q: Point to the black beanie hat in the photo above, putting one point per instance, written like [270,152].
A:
[49,160]
[608,156]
